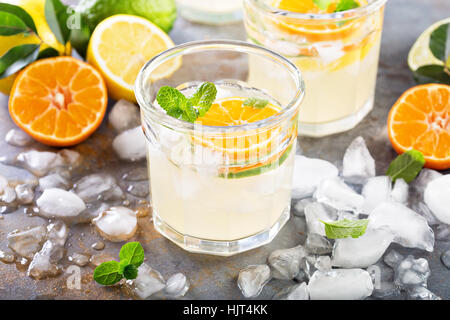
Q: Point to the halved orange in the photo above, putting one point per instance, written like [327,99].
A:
[58,101]
[420,119]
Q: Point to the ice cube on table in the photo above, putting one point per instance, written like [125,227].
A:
[177,285]
[136,174]
[363,251]
[315,212]
[437,198]
[335,193]
[285,263]
[26,242]
[400,191]
[421,293]
[308,265]
[340,284]
[252,279]
[412,272]
[7,192]
[358,164]
[116,224]
[393,258]
[148,281]
[17,137]
[40,162]
[139,189]
[24,193]
[54,180]
[295,292]
[59,203]
[445,258]
[98,187]
[124,115]
[16,175]
[425,176]
[317,244]
[308,173]
[422,209]
[375,191]
[131,144]
[299,207]
[323,263]
[409,228]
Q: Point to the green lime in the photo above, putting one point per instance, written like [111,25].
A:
[160,12]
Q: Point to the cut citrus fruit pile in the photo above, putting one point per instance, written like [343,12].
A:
[58,101]
[120,45]
[420,119]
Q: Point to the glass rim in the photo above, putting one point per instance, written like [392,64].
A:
[163,118]
[333,17]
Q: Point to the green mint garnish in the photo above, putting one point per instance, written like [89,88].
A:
[345,228]
[187,109]
[344,5]
[255,102]
[406,166]
[131,257]
[322,4]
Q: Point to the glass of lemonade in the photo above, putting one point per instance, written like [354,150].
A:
[211,11]
[337,52]
[222,184]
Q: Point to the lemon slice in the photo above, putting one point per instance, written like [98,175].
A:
[420,53]
[119,47]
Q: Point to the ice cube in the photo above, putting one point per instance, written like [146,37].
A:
[148,281]
[445,258]
[54,180]
[385,290]
[425,176]
[16,175]
[308,265]
[252,279]
[421,293]
[400,191]
[45,262]
[409,228]
[59,203]
[139,189]
[98,187]
[334,192]
[24,193]
[116,224]
[71,158]
[315,212]
[323,263]
[437,198]
[131,144]
[285,263]
[375,191]
[422,209]
[393,258]
[136,174]
[7,193]
[18,138]
[358,164]
[26,242]
[308,173]
[412,272]
[40,162]
[300,205]
[317,244]
[123,116]
[177,285]
[295,292]
[442,232]
[363,251]
[340,284]
[6,257]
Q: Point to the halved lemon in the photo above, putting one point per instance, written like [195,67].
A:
[120,45]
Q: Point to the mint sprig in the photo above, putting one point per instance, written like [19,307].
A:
[344,5]
[188,109]
[406,166]
[256,102]
[131,257]
[322,4]
[345,228]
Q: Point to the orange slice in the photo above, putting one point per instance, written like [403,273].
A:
[58,101]
[420,119]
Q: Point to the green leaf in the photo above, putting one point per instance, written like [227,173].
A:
[432,73]
[20,13]
[56,16]
[130,271]
[16,58]
[170,98]
[345,5]
[204,97]
[322,4]
[406,166]
[345,228]
[11,24]
[438,40]
[47,53]
[190,113]
[107,273]
[79,38]
[132,253]
[256,102]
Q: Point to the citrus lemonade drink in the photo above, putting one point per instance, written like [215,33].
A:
[335,43]
[221,160]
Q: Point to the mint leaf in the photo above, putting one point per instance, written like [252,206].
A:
[345,228]
[130,271]
[344,5]
[56,16]
[107,273]
[438,41]
[11,24]
[132,253]
[20,13]
[16,58]
[432,73]
[171,100]
[322,4]
[256,102]
[406,166]
[204,97]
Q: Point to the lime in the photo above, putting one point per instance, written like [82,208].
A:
[160,12]
[420,53]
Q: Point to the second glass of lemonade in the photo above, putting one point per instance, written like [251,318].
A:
[336,47]
[222,183]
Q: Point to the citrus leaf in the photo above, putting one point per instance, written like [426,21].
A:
[107,273]
[56,16]
[10,24]
[79,37]
[438,40]
[432,73]
[17,57]
[132,253]
[345,228]
[20,13]
[47,53]
[406,166]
